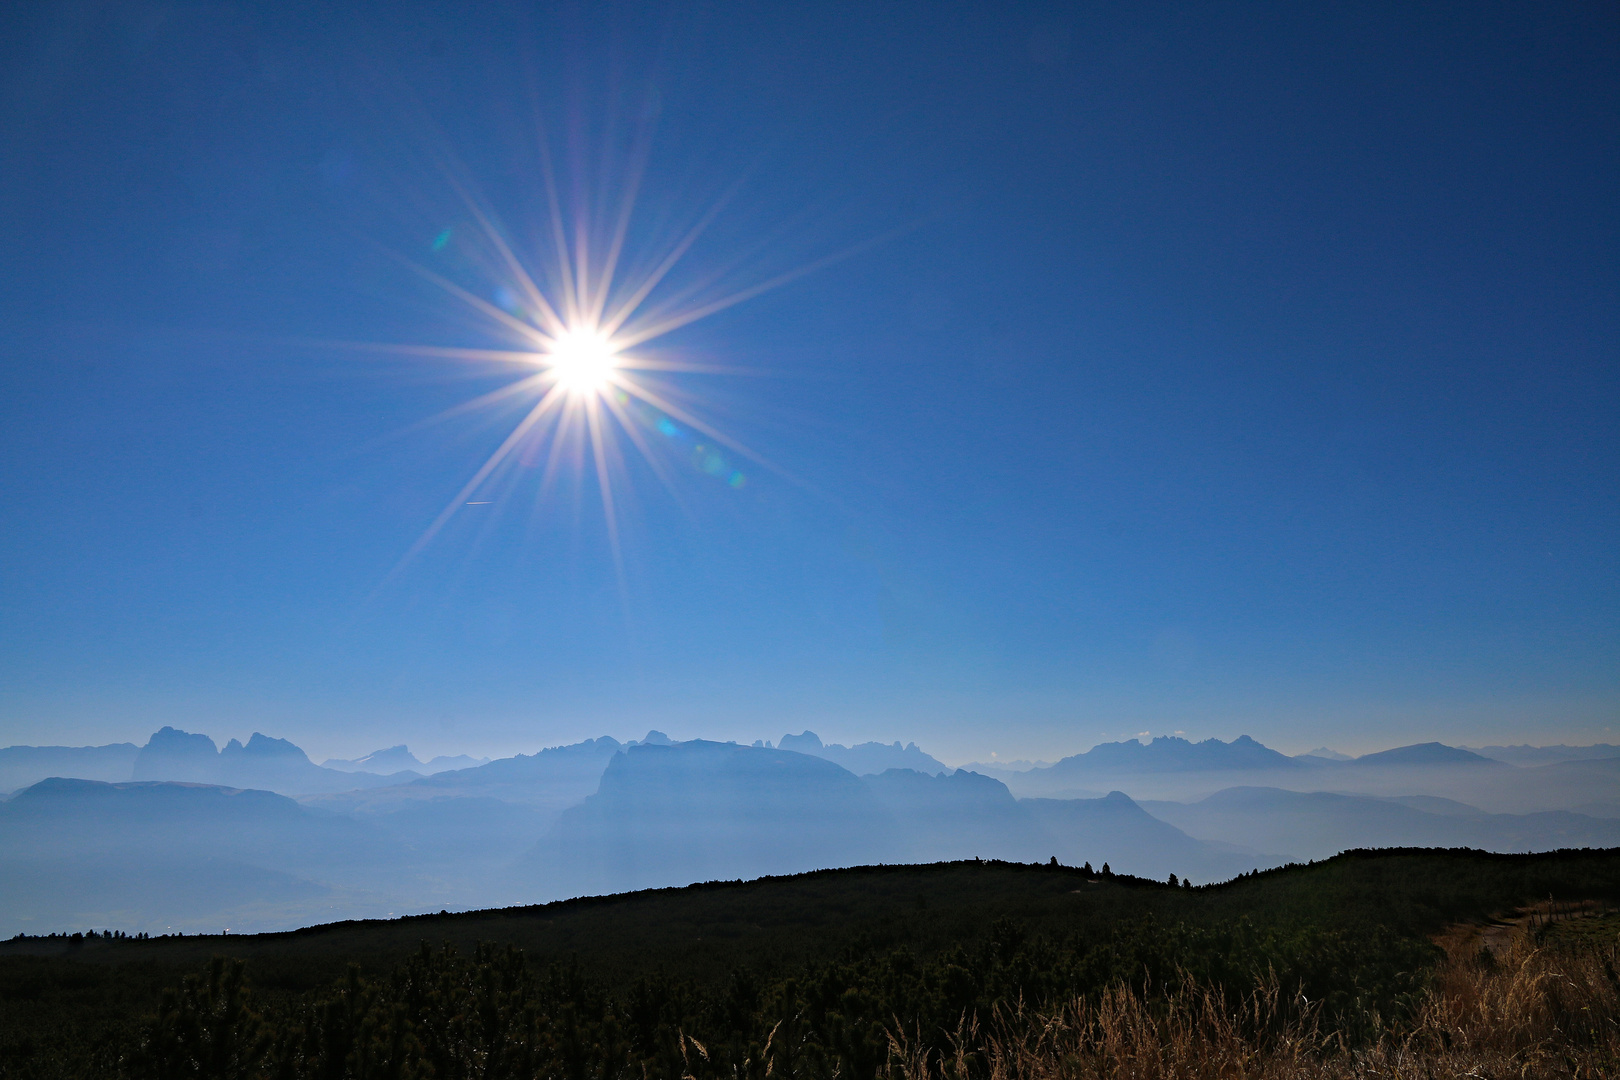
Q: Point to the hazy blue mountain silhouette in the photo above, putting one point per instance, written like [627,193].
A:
[143,854]
[597,816]
[699,810]
[399,758]
[958,815]
[1011,772]
[1117,830]
[1427,754]
[1165,767]
[393,759]
[1590,786]
[263,763]
[694,811]
[867,757]
[1323,753]
[1169,753]
[552,779]
[1169,769]
[91,815]
[1434,804]
[172,754]
[1310,825]
[1525,755]
[966,814]
[21,766]
[471,825]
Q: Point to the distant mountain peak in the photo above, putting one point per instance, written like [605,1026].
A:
[1171,753]
[393,759]
[264,746]
[262,763]
[171,740]
[1429,753]
[867,758]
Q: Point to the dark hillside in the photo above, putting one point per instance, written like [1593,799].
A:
[712,927]
[837,955]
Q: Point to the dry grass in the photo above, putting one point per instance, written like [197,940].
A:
[1526,1012]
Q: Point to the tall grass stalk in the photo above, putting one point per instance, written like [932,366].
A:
[1529,1013]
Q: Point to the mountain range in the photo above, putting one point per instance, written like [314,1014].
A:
[1546,755]
[256,835]
[1315,825]
[866,757]
[263,762]
[1174,769]
[669,815]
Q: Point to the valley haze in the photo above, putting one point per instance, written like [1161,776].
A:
[181,834]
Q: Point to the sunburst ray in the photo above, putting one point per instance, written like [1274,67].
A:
[580,325]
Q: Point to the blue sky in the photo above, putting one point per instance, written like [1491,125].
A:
[1206,371]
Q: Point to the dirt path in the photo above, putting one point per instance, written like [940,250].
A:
[1499,934]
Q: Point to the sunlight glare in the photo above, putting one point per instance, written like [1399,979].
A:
[579,328]
[582,362]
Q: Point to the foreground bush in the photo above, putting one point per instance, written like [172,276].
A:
[1534,1011]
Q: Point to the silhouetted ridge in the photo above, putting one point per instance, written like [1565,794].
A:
[1168,753]
[272,764]
[397,759]
[1429,753]
[172,754]
[148,797]
[554,778]
[1524,754]
[867,757]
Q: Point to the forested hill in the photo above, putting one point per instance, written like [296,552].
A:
[710,929]
[616,985]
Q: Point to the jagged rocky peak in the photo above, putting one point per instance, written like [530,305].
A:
[172,741]
[262,746]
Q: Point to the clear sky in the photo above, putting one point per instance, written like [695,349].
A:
[1218,370]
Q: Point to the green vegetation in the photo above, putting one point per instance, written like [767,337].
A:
[817,975]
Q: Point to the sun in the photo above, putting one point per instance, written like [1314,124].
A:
[577,317]
[582,361]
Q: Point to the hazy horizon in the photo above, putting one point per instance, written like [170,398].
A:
[1001,761]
